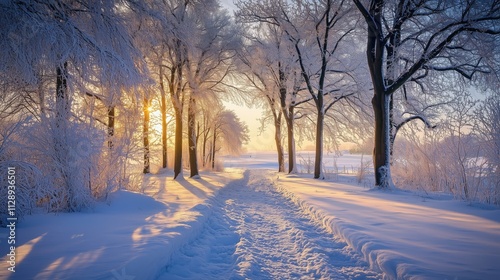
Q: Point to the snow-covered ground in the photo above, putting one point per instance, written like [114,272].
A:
[404,235]
[256,233]
[259,224]
[131,238]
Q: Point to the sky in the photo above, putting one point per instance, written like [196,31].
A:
[228,4]
[259,141]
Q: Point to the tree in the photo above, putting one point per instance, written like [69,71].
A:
[191,54]
[165,26]
[462,145]
[408,39]
[204,131]
[228,132]
[272,61]
[79,44]
[318,32]
[289,102]
[259,73]
[489,130]
[209,64]
[176,19]
[163,109]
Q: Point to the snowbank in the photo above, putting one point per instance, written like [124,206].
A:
[133,237]
[403,235]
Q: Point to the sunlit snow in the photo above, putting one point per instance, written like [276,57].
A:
[251,222]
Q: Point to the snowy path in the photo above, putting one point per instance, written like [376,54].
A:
[256,233]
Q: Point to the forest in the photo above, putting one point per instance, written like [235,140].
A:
[96,93]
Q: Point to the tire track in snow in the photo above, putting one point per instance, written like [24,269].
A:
[256,233]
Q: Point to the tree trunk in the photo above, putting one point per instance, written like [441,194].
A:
[145,133]
[177,98]
[61,147]
[213,148]
[381,151]
[292,166]
[193,155]
[62,114]
[62,98]
[318,168]
[289,118]
[205,140]
[111,126]
[392,129]
[178,143]
[111,133]
[380,101]
[279,145]
[41,97]
[163,120]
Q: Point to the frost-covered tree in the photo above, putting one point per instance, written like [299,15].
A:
[204,132]
[407,40]
[319,31]
[461,146]
[229,132]
[189,46]
[210,53]
[79,45]
[167,26]
[489,132]
[272,61]
[258,71]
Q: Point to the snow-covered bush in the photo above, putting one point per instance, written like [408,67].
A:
[439,162]
[70,159]
[62,170]
[306,164]
[219,165]
[488,128]
[364,169]
[31,187]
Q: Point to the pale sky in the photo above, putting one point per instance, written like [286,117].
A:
[250,116]
[228,4]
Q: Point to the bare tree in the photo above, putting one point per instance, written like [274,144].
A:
[489,130]
[258,73]
[317,31]
[408,39]
[210,51]
[272,60]
[229,133]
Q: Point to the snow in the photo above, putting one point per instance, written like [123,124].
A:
[401,234]
[404,235]
[256,233]
[135,235]
[251,222]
